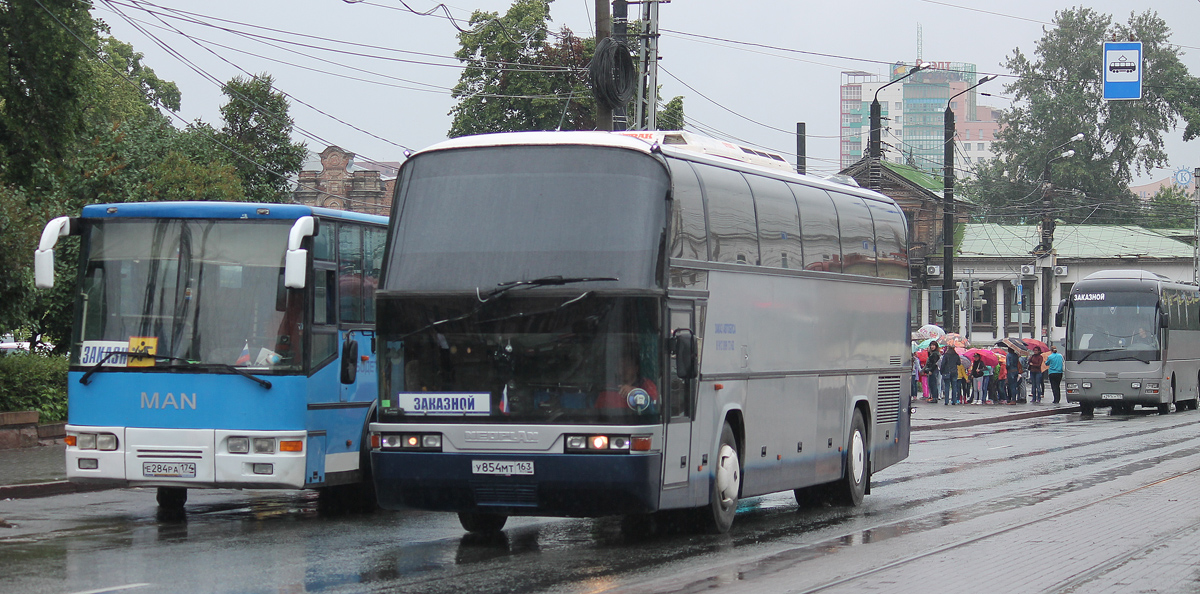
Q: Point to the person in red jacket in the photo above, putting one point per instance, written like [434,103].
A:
[629,389]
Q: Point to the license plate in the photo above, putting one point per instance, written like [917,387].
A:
[1112,396]
[169,469]
[501,468]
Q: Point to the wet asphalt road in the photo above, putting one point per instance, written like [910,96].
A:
[959,487]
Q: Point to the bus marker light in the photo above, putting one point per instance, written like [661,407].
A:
[70,440]
[291,445]
[88,464]
[641,444]
[375,441]
[87,441]
[106,442]
[718,386]
[599,442]
[238,445]
[264,445]
[264,468]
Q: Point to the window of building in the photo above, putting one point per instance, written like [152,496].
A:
[953,105]
[979,146]
[899,105]
[967,146]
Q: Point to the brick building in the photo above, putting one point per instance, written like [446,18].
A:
[343,184]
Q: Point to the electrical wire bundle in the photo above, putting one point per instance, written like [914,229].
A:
[612,74]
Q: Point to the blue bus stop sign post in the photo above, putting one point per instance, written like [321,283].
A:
[1122,70]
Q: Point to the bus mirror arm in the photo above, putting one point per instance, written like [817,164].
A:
[1058,315]
[43,257]
[1164,320]
[684,345]
[296,262]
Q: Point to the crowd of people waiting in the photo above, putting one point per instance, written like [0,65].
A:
[1007,377]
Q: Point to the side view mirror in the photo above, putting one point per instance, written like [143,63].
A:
[1058,315]
[296,261]
[349,360]
[43,257]
[684,343]
[1164,320]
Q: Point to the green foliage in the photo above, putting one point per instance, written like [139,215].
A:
[1170,208]
[1058,94]
[671,116]
[258,128]
[31,381]
[515,80]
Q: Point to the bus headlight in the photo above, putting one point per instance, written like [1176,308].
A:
[1087,385]
[87,441]
[238,445]
[1072,386]
[106,442]
[419,442]
[1136,385]
[1151,388]
[264,445]
[599,444]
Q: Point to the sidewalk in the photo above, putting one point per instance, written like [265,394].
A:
[41,471]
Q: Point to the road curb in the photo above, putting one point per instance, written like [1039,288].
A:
[32,490]
[1033,414]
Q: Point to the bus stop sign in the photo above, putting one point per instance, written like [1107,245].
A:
[1122,70]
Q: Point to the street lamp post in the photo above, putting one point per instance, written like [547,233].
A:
[874,143]
[1045,247]
[948,205]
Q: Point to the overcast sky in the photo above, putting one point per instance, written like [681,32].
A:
[397,93]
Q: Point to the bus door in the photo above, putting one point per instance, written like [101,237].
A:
[681,406]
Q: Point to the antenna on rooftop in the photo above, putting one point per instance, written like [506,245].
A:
[920,45]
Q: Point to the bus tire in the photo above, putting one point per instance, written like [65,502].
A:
[1164,408]
[1086,410]
[811,496]
[172,497]
[851,488]
[717,516]
[478,522]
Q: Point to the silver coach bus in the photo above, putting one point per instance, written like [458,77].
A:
[592,324]
[1133,338]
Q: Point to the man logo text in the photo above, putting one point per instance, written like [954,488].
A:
[183,402]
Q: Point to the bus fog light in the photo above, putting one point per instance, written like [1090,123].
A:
[291,445]
[1087,385]
[87,441]
[1136,385]
[264,445]
[576,442]
[431,441]
[618,442]
[88,464]
[238,445]
[264,468]
[106,442]
[599,442]
[390,440]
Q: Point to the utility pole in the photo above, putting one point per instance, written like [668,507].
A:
[801,148]
[604,114]
[620,34]
[1196,244]
[647,105]
[1045,249]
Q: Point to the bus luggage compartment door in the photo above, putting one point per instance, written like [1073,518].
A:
[315,464]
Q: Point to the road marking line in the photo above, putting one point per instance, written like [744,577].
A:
[113,589]
[1000,447]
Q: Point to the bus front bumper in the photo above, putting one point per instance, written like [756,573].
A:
[562,484]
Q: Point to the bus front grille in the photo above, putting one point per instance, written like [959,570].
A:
[507,494]
[888,400]
[169,453]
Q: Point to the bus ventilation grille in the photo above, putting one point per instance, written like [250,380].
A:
[895,360]
[506,494]
[888,401]
[170,454]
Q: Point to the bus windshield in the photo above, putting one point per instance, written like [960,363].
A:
[576,211]
[199,290]
[1114,326]
[522,358]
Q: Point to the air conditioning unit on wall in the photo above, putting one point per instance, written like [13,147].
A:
[1028,270]
[932,270]
[1060,271]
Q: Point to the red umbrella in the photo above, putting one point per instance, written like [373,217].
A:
[988,357]
[1035,344]
[922,355]
[1016,343]
[953,339]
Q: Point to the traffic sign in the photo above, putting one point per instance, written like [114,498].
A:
[1122,70]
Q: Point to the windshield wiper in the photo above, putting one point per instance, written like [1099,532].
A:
[1124,358]
[86,376]
[556,280]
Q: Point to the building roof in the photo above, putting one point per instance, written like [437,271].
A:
[1070,241]
[924,179]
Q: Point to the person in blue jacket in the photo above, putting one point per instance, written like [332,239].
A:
[1055,371]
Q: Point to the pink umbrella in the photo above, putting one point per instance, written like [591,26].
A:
[1037,345]
[988,357]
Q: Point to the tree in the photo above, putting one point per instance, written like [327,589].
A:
[1170,208]
[671,116]
[1058,93]
[514,80]
[258,129]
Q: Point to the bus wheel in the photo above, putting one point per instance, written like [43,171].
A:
[853,484]
[717,516]
[814,496]
[172,497]
[1164,408]
[1086,410]
[481,522]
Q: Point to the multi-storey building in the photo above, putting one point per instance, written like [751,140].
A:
[344,184]
[913,121]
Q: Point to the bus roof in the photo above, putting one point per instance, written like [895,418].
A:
[220,210]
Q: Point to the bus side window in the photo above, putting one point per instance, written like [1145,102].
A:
[350,272]
[732,227]
[689,237]
[324,331]
[858,236]
[891,245]
[818,229]
[778,223]
[374,242]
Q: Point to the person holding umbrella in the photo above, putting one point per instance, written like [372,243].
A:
[948,364]
[980,373]
[931,371]
[1013,361]
[1036,389]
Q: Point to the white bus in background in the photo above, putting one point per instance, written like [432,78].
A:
[593,324]
[1133,338]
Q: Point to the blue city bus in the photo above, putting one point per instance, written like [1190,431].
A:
[221,345]
[593,324]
